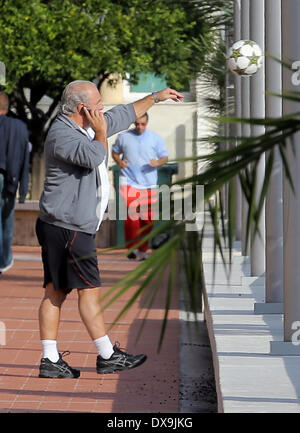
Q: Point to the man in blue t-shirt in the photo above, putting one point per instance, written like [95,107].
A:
[142,152]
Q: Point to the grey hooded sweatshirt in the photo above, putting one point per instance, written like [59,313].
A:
[72,187]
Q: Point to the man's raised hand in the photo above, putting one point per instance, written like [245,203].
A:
[168,93]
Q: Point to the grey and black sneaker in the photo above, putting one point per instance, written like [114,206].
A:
[133,254]
[119,361]
[59,369]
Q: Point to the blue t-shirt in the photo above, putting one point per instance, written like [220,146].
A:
[137,150]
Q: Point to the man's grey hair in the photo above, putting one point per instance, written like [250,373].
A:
[75,93]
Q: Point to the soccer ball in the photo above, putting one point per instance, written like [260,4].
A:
[244,58]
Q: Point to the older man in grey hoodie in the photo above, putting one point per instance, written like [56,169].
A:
[71,209]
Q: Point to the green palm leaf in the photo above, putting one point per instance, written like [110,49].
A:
[234,159]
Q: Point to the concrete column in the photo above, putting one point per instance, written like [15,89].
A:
[291,201]
[257,110]
[226,127]
[238,128]
[245,111]
[274,216]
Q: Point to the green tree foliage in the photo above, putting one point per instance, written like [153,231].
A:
[46,44]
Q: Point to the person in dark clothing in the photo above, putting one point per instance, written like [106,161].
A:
[14,173]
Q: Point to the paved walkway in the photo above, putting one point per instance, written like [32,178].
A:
[152,387]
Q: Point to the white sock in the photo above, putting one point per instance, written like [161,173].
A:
[50,350]
[104,347]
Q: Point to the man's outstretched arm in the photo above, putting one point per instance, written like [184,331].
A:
[122,116]
[142,105]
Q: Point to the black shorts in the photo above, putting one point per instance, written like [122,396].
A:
[69,257]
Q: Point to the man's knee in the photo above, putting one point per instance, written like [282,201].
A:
[89,295]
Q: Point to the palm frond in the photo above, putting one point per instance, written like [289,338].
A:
[237,162]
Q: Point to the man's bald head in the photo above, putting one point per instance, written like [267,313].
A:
[75,93]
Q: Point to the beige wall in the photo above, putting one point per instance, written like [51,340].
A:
[112,93]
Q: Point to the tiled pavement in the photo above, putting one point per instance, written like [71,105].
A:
[152,387]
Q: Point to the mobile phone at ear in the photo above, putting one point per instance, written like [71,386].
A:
[82,110]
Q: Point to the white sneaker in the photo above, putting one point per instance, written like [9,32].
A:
[6,268]
[143,255]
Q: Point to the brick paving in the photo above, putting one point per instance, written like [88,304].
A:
[150,388]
